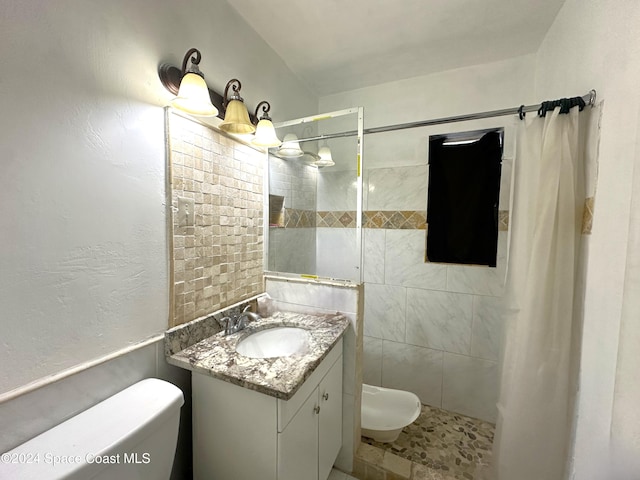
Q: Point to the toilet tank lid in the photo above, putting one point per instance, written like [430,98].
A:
[113,423]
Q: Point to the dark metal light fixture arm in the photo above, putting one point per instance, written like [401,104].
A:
[171,77]
[266,107]
[196,59]
[235,85]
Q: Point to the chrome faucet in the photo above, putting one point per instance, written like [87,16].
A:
[235,323]
[227,324]
[247,314]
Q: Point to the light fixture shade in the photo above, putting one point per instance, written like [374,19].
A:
[325,158]
[266,135]
[193,97]
[236,119]
[290,147]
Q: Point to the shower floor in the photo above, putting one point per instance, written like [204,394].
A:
[440,445]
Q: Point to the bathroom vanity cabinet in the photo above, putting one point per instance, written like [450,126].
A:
[240,433]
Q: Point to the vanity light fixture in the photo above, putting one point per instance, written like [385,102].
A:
[290,147]
[310,156]
[325,158]
[236,117]
[265,131]
[188,84]
[194,97]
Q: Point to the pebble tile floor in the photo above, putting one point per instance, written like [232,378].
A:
[448,442]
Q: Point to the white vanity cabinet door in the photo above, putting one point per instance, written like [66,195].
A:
[234,431]
[241,434]
[298,444]
[309,444]
[330,419]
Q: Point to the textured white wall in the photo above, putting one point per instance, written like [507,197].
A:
[626,415]
[84,256]
[489,86]
[596,44]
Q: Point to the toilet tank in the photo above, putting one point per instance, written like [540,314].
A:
[131,435]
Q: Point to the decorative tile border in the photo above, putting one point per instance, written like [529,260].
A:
[395,219]
[503,220]
[398,219]
[337,219]
[387,219]
[295,218]
[587,215]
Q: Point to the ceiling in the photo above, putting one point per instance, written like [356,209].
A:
[340,45]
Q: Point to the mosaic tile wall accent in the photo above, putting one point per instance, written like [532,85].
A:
[218,261]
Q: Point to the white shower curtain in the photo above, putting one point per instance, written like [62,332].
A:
[535,407]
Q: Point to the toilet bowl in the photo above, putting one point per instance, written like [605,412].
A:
[386,411]
[131,435]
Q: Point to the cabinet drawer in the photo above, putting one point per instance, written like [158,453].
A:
[288,408]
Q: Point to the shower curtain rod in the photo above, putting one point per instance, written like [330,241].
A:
[589,100]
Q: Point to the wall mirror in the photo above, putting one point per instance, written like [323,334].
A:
[314,195]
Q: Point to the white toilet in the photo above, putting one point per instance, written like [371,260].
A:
[386,411]
[131,435]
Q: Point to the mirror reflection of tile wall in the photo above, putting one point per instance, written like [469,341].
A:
[217,261]
[292,244]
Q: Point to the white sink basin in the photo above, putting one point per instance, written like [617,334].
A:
[274,342]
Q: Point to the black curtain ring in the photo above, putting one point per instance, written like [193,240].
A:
[542,111]
[521,112]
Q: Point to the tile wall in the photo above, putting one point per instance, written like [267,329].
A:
[293,248]
[429,328]
[336,244]
[217,261]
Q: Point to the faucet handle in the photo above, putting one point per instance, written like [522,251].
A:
[247,308]
[227,324]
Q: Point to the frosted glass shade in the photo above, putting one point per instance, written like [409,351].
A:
[266,135]
[193,97]
[325,158]
[236,119]
[290,147]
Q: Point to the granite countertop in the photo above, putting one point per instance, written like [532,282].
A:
[280,377]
